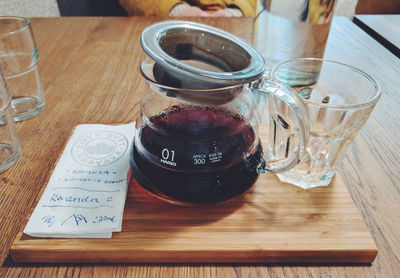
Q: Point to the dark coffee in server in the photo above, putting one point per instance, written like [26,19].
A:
[196,155]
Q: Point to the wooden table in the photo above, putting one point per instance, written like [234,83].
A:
[89,72]
[384,28]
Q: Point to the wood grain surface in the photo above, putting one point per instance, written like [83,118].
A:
[384,28]
[89,72]
[273,222]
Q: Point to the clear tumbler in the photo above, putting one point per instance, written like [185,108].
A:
[19,59]
[9,146]
[287,29]
[340,99]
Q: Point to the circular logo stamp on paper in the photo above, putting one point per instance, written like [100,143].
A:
[99,148]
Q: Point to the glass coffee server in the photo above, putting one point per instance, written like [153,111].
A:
[198,134]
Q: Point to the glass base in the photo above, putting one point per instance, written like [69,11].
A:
[9,155]
[25,108]
[306,182]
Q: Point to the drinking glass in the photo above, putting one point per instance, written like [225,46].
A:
[9,146]
[19,59]
[339,99]
[287,29]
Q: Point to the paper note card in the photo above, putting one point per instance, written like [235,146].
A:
[86,193]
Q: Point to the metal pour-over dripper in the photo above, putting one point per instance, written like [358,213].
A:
[195,56]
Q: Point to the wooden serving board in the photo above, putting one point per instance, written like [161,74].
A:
[273,222]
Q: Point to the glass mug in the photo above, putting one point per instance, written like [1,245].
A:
[198,133]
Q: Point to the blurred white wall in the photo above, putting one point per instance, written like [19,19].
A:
[345,7]
[29,8]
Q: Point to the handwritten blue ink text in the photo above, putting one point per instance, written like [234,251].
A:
[99,219]
[49,220]
[76,218]
[73,199]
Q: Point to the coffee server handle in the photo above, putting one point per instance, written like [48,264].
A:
[288,125]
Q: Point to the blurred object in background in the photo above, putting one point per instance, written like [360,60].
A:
[29,8]
[54,8]
[378,7]
[91,8]
[198,8]
[287,29]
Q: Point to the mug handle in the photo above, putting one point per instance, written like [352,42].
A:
[291,125]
